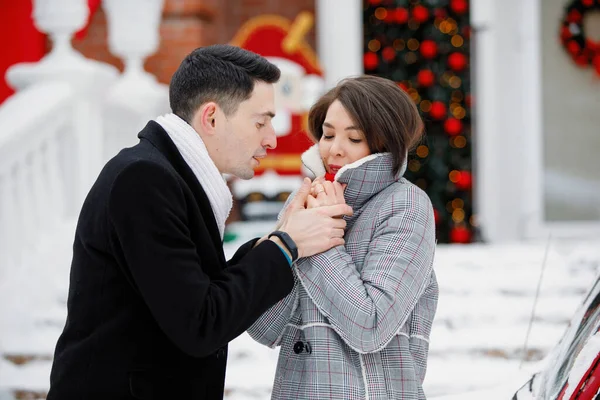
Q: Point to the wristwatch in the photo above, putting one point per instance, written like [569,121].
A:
[287,242]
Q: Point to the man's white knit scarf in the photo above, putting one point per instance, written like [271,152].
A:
[195,154]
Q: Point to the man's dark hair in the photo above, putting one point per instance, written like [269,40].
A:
[385,114]
[221,73]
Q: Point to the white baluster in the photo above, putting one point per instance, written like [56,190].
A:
[39,188]
[25,206]
[56,197]
[4,225]
[15,231]
[60,19]
[133,42]
[137,96]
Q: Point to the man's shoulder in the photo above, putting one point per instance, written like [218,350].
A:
[141,156]
[137,163]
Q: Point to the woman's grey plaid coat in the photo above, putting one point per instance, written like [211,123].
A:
[357,323]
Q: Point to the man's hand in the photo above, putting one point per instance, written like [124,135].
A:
[317,229]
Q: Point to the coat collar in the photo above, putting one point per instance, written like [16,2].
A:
[156,135]
[364,178]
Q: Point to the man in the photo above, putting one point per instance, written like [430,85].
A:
[152,301]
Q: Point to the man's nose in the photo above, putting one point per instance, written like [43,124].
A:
[270,139]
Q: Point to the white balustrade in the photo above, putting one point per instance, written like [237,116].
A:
[35,140]
[54,128]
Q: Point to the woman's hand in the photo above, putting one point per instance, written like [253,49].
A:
[325,193]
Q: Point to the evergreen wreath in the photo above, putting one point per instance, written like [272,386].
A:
[582,49]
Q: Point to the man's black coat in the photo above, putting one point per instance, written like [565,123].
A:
[152,301]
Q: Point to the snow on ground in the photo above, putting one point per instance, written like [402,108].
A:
[486,299]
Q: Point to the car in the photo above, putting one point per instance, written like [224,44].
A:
[571,371]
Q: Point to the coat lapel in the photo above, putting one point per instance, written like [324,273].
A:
[155,133]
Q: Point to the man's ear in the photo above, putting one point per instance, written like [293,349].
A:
[205,118]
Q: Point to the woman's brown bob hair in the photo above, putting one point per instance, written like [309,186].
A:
[386,115]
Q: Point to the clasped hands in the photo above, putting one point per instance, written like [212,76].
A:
[313,218]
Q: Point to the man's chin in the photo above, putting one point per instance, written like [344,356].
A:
[245,174]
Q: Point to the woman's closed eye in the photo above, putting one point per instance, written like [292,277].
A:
[259,125]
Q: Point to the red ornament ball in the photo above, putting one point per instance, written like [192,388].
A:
[420,14]
[388,54]
[425,77]
[438,110]
[402,86]
[370,60]
[401,15]
[465,181]
[453,126]
[466,32]
[440,13]
[459,6]
[460,234]
[587,3]
[457,61]
[428,49]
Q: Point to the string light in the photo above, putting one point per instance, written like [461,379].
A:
[413,44]
[457,96]
[422,151]
[410,58]
[414,165]
[457,41]
[459,112]
[454,176]
[399,44]
[374,45]
[425,106]
[459,142]
[473,220]
[455,82]
[380,13]
[458,203]
[458,215]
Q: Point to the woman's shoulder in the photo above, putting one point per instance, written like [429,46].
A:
[401,196]
[404,189]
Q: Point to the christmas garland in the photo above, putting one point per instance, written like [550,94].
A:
[582,50]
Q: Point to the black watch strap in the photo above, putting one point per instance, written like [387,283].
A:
[287,242]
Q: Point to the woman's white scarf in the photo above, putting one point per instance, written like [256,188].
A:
[194,152]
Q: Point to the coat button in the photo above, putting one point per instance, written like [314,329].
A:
[298,347]
[221,353]
[308,348]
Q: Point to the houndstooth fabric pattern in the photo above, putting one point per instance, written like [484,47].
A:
[365,309]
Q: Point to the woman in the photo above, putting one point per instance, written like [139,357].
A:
[357,324]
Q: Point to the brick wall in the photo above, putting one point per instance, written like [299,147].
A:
[188,24]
